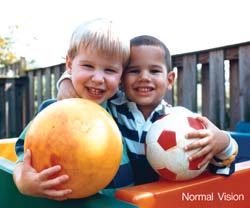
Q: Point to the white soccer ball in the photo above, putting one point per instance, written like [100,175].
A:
[164,146]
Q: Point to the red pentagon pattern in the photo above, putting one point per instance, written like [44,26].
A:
[195,124]
[167,139]
[167,174]
[193,165]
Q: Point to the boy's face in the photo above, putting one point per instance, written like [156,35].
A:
[95,76]
[146,79]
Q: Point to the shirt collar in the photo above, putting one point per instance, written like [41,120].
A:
[119,99]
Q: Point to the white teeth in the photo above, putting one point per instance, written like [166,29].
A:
[95,91]
[144,89]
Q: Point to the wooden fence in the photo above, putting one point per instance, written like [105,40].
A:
[223,74]
[14,70]
[213,82]
[21,96]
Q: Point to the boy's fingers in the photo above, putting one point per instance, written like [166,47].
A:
[204,120]
[55,181]
[58,195]
[46,173]
[205,161]
[197,134]
[27,157]
[205,150]
[197,144]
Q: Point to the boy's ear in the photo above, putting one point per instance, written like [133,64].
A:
[170,80]
[68,65]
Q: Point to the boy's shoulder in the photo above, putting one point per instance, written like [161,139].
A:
[45,104]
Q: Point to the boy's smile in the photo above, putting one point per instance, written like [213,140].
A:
[145,79]
[95,76]
[95,93]
[144,91]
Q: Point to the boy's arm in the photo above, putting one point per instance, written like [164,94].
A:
[64,76]
[32,183]
[218,147]
[223,162]
[28,180]
[65,87]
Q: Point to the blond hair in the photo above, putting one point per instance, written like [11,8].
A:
[100,35]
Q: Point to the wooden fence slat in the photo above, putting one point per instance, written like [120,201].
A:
[217,88]
[180,86]
[189,79]
[21,103]
[169,97]
[11,101]
[19,86]
[48,83]
[31,94]
[234,94]
[62,68]
[26,103]
[39,86]
[244,79]
[2,109]
[205,90]
[57,75]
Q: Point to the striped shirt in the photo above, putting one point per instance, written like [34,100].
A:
[134,128]
[124,175]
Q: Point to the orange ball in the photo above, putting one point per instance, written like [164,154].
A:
[80,136]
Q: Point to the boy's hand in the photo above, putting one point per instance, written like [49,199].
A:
[66,90]
[212,141]
[32,183]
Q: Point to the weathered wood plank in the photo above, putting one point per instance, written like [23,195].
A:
[217,88]
[205,90]
[11,102]
[57,74]
[2,109]
[31,94]
[232,54]
[39,87]
[179,86]
[20,105]
[62,68]
[234,94]
[203,58]
[244,79]
[48,83]
[189,79]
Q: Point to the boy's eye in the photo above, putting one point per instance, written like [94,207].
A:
[89,66]
[154,71]
[109,70]
[133,71]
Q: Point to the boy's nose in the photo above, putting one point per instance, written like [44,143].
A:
[98,77]
[144,75]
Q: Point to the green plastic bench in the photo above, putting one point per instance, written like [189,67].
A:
[11,197]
